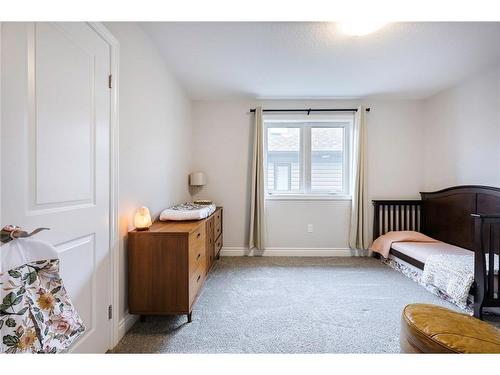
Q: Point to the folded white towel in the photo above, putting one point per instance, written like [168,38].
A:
[187,211]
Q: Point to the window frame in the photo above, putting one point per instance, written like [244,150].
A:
[305,124]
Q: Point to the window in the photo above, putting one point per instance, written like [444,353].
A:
[283,159]
[308,158]
[327,159]
[283,179]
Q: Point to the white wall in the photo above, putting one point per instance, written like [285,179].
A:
[462,133]
[155,135]
[222,149]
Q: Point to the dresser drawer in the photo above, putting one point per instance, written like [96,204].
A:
[210,243]
[218,245]
[196,260]
[196,281]
[209,234]
[197,239]
[218,223]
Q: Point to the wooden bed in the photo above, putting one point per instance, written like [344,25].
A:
[465,216]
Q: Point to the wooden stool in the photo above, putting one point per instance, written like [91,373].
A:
[434,329]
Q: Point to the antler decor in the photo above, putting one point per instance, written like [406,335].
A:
[11,232]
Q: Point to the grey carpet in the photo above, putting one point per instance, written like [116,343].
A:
[287,305]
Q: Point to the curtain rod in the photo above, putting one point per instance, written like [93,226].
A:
[309,110]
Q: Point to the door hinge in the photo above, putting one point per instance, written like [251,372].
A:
[110,79]
[110,312]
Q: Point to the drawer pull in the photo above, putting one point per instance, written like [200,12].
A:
[198,235]
[218,230]
[198,279]
[198,257]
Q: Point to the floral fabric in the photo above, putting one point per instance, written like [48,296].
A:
[36,314]
[416,276]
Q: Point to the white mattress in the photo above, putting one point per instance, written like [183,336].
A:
[422,250]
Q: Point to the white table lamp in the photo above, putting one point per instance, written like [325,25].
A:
[197,179]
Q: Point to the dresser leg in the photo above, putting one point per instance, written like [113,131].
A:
[189,317]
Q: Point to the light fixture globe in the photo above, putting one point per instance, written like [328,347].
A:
[360,28]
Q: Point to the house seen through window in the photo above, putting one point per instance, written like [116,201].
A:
[307,158]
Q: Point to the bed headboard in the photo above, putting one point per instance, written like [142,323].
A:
[446,214]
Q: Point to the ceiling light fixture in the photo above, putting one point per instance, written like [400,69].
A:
[359,28]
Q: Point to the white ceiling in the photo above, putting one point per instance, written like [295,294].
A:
[316,60]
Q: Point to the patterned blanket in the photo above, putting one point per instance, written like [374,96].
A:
[452,274]
[36,313]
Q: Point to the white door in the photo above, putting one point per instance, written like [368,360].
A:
[55,156]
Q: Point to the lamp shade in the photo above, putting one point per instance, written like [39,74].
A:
[197,179]
[142,219]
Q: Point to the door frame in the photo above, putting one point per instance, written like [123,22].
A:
[114,234]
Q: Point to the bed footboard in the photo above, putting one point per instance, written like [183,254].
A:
[390,215]
[486,249]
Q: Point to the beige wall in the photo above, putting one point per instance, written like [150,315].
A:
[462,133]
[155,135]
[222,140]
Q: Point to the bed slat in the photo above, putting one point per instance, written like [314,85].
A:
[491,260]
[390,215]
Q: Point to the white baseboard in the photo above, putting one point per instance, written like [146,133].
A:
[125,324]
[288,252]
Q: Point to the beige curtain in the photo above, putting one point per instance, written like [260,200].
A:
[257,210]
[358,230]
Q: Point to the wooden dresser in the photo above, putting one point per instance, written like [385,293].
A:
[168,264]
